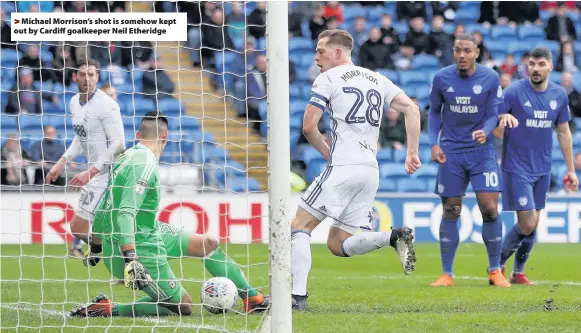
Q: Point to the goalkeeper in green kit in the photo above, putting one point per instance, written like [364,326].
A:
[135,246]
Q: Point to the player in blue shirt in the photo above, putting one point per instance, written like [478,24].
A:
[538,104]
[464,102]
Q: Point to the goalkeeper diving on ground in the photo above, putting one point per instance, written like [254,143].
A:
[136,247]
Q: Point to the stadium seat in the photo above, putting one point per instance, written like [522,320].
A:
[555,76]
[214,155]
[138,105]
[294,139]
[502,33]
[296,123]
[305,60]
[552,45]
[171,107]
[314,169]
[557,155]
[531,33]
[301,45]
[188,123]
[60,122]
[390,74]
[518,48]
[427,171]
[387,185]
[473,27]
[294,91]
[9,123]
[311,155]
[467,15]
[422,92]
[392,170]
[244,184]
[424,140]
[425,62]
[399,155]
[402,27]
[384,155]
[413,78]
[411,185]
[431,184]
[351,12]
[297,107]
[9,58]
[30,122]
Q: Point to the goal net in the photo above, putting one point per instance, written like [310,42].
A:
[216,172]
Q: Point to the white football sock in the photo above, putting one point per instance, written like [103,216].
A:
[300,261]
[365,242]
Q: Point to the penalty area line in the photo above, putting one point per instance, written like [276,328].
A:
[473,278]
[53,313]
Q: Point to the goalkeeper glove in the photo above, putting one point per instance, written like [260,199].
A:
[135,274]
[93,255]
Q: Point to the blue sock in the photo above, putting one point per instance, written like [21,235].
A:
[77,243]
[492,236]
[522,254]
[512,241]
[449,240]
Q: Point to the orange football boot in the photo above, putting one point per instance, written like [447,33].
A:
[258,303]
[496,278]
[443,281]
[521,278]
[100,307]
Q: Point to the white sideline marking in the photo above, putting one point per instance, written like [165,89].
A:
[159,321]
[474,278]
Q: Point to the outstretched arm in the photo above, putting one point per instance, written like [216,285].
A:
[311,130]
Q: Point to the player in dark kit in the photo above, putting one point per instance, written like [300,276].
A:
[464,102]
[537,104]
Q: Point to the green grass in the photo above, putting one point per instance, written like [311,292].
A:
[361,294]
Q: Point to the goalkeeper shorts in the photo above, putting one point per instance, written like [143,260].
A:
[153,256]
[176,240]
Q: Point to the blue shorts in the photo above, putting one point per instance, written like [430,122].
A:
[479,167]
[523,192]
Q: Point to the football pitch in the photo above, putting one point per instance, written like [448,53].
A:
[361,294]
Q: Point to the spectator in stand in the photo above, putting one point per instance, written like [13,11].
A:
[256,90]
[523,12]
[440,42]
[292,72]
[459,30]
[109,90]
[6,33]
[389,35]
[295,19]
[446,9]
[215,37]
[156,83]
[567,61]
[118,74]
[359,33]
[574,95]
[332,23]
[32,60]
[505,80]
[416,37]
[106,53]
[23,98]
[393,132]
[523,68]
[509,67]
[35,6]
[334,9]
[46,153]
[63,66]
[373,53]
[484,54]
[14,161]
[135,53]
[551,6]
[560,26]
[257,21]
[407,10]
[317,24]
[494,12]
[236,21]
[402,60]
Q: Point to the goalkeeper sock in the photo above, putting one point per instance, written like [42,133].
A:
[218,264]
[365,242]
[512,241]
[300,261]
[144,307]
[522,254]
[77,243]
[449,240]
[492,237]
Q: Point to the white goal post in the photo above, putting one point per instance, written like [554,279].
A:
[279,165]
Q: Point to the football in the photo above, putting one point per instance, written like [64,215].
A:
[219,295]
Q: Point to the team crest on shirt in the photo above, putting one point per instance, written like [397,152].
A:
[140,186]
[553,105]
[477,89]
[523,201]
[499,92]
[440,188]
[172,283]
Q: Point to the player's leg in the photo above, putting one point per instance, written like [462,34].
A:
[85,213]
[182,243]
[450,186]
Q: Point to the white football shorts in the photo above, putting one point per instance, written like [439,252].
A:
[91,194]
[344,193]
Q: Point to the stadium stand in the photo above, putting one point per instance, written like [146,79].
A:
[234,72]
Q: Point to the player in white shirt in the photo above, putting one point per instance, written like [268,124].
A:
[100,136]
[355,98]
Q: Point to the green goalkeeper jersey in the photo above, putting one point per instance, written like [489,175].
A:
[127,212]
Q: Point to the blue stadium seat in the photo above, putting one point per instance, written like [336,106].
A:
[413,79]
[138,105]
[294,91]
[390,74]
[243,184]
[502,32]
[384,155]
[531,33]
[411,185]
[301,45]
[557,155]
[473,27]
[392,170]
[305,60]
[171,107]
[351,12]
[60,122]
[498,49]
[30,122]
[431,184]
[552,45]
[577,80]
[520,47]
[214,155]
[297,107]
[399,155]
[294,139]
[425,154]
[387,185]
[427,171]
[314,169]
[545,15]
[467,15]
[188,123]
[402,27]
[424,140]
[9,123]
[422,92]
[425,62]
[311,155]
[555,76]
[9,58]
[449,27]
[296,123]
